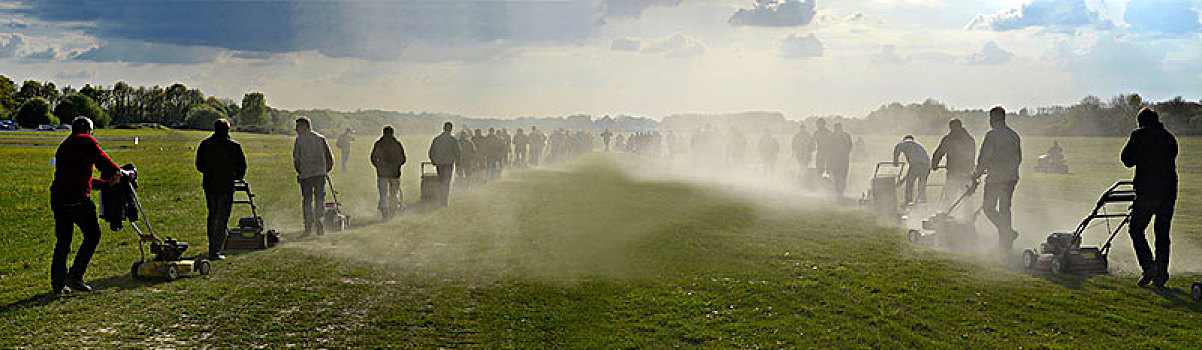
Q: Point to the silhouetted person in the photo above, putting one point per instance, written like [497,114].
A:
[917,172]
[838,158]
[769,149]
[221,160]
[468,158]
[444,153]
[344,145]
[605,136]
[70,200]
[506,146]
[803,149]
[520,141]
[312,161]
[1001,153]
[822,141]
[1152,150]
[538,141]
[960,149]
[1055,152]
[388,155]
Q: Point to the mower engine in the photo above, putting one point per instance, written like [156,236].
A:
[168,250]
[943,229]
[1062,252]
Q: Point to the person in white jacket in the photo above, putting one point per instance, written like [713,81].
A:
[312,160]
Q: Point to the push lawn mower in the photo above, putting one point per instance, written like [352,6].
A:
[1062,252]
[431,185]
[167,262]
[882,191]
[250,233]
[944,229]
[333,219]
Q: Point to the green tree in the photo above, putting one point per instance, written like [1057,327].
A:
[254,110]
[8,92]
[34,112]
[202,116]
[81,105]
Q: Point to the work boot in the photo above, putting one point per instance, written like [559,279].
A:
[78,285]
[1160,280]
[59,288]
[1150,274]
[216,257]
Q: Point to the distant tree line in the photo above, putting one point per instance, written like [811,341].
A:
[34,103]
[1091,116]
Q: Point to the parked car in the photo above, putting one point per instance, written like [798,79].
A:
[8,125]
[63,127]
[45,127]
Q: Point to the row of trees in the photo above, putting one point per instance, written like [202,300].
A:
[1091,116]
[34,103]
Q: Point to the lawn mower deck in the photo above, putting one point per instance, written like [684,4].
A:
[1062,252]
[251,232]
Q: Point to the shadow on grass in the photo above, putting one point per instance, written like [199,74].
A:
[119,282]
[1067,280]
[1179,298]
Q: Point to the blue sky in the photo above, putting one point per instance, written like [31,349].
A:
[643,57]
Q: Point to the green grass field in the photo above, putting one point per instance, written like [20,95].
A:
[600,252]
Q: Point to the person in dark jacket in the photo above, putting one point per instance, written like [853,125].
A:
[444,153]
[388,155]
[1152,150]
[344,145]
[838,158]
[70,200]
[803,150]
[919,170]
[960,149]
[822,141]
[1000,155]
[220,159]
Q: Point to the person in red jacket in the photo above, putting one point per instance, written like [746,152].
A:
[70,200]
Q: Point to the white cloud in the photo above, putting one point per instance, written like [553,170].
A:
[796,46]
[1058,15]
[889,54]
[775,13]
[991,54]
[677,46]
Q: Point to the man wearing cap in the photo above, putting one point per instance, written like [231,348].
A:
[72,205]
[919,168]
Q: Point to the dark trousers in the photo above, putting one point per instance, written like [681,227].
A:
[536,154]
[917,174]
[838,172]
[346,155]
[444,179]
[69,213]
[219,203]
[996,205]
[313,199]
[1141,215]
